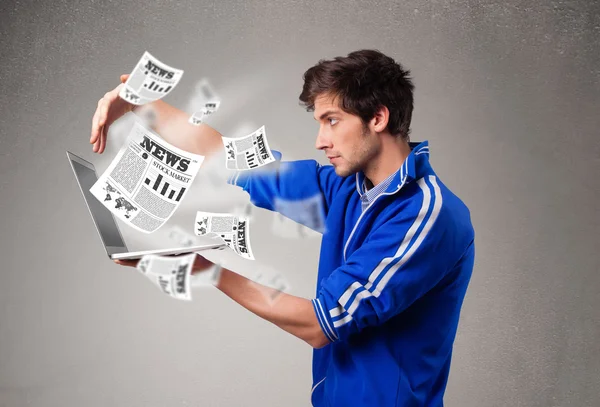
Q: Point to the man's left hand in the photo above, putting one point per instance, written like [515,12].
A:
[200,264]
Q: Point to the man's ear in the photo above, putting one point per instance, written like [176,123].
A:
[380,120]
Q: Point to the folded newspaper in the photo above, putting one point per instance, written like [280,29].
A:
[211,102]
[147,180]
[207,278]
[171,274]
[197,118]
[233,229]
[150,80]
[248,152]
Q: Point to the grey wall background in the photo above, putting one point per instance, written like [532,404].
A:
[507,93]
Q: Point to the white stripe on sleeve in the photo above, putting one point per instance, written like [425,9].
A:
[402,253]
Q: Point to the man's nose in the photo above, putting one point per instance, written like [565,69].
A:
[322,142]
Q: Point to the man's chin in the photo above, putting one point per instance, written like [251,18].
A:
[343,172]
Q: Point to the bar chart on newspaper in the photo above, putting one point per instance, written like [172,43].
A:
[163,187]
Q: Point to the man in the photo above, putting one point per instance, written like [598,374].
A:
[398,249]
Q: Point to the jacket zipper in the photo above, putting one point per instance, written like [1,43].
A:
[315,386]
[365,211]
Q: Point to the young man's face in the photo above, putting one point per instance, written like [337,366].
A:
[348,143]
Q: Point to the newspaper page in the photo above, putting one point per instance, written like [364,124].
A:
[234,230]
[207,278]
[172,274]
[248,152]
[147,180]
[150,80]
[198,117]
[211,103]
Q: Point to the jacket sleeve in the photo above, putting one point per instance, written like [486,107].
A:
[399,262]
[286,186]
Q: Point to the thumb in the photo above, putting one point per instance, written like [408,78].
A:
[124,78]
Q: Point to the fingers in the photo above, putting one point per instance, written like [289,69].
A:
[124,78]
[128,263]
[104,106]
[99,121]
[103,135]
[96,146]
[102,125]
[94,135]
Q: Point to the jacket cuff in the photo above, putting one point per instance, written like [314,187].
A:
[239,177]
[324,321]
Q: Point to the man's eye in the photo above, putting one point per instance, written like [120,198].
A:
[332,121]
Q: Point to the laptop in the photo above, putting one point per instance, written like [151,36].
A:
[107,227]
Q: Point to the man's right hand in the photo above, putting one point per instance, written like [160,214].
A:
[110,108]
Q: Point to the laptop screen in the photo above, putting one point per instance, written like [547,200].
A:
[104,220]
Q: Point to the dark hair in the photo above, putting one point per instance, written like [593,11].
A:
[363,81]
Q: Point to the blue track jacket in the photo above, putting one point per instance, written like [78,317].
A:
[391,279]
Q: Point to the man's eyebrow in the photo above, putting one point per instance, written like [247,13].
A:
[327,113]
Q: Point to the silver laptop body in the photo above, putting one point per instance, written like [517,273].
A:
[105,223]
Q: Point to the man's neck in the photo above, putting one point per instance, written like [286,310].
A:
[392,155]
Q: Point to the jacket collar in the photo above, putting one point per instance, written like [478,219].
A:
[413,167]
